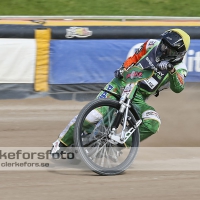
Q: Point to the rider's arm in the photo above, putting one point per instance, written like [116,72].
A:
[176,78]
[139,53]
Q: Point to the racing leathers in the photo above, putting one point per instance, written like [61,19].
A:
[144,56]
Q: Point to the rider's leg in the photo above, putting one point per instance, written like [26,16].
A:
[66,136]
[150,121]
[149,126]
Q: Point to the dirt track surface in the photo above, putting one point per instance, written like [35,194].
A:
[37,122]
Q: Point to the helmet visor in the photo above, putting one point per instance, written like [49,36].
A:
[167,50]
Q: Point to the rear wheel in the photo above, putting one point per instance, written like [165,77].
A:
[101,154]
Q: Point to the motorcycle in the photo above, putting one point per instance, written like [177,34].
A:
[102,145]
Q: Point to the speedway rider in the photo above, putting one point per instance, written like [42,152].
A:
[167,54]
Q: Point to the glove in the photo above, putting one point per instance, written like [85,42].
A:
[164,65]
[119,72]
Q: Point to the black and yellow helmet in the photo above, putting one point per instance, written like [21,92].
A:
[173,45]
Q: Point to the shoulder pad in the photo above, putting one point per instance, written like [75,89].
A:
[151,43]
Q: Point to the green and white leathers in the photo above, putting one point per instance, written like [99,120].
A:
[152,86]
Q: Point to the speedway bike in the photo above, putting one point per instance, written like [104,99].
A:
[109,145]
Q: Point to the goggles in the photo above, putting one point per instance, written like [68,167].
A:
[169,51]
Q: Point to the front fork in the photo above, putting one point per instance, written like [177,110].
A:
[127,106]
[123,114]
[125,134]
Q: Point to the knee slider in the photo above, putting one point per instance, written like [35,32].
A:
[94,116]
[151,120]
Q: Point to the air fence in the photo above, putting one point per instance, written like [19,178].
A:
[73,58]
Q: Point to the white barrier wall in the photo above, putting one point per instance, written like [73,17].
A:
[19,57]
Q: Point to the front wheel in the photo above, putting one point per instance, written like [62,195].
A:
[94,146]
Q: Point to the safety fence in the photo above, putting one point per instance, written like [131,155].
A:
[74,59]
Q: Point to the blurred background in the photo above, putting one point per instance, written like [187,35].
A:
[101,7]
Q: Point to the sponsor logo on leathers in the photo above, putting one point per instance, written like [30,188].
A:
[134,74]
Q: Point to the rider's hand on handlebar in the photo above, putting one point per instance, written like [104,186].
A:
[164,65]
[119,72]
